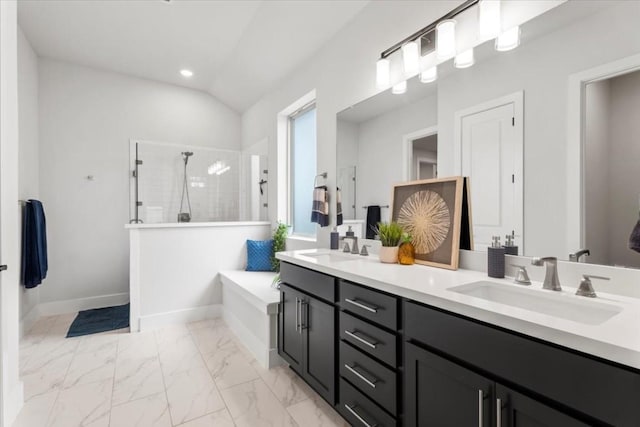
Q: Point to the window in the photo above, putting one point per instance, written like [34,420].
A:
[302,168]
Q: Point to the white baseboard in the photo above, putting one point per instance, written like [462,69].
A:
[160,320]
[267,357]
[55,308]
[13,404]
[27,322]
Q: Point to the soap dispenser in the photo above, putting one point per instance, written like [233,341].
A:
[350,232]
[495,259]
[335,238]
[510,247]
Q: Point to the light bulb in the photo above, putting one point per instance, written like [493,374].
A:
[399,88]
[382,73]
[429,75]
[508,40]
[411,58]
[489,24]
[446,39]
[464,59]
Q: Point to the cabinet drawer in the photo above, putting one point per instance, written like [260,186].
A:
[375,380]
[312,282]
[370,304]
[368,338]
[359,410]
[605,392]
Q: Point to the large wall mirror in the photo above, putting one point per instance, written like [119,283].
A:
[506,123]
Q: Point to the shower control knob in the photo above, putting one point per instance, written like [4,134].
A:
[3,267]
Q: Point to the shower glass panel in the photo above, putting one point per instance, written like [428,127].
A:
[213,179]
[347,186]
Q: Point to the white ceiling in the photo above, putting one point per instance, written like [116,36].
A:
[238,50]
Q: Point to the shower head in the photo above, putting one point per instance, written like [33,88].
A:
[186,155]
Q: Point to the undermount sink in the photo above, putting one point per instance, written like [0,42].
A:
[569,307]
[332,257]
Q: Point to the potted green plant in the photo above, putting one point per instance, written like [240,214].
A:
[279,240]
[390,235]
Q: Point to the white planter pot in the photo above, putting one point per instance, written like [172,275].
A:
[388,254]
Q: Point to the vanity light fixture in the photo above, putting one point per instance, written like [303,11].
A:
[399,88]
[508,40]
[464,59]
[382,73]
[446,39]
[489,19]
[429,75]
[411,58]
[186,73]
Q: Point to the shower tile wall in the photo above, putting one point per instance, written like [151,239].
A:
[213,197]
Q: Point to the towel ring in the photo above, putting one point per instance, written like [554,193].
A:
[321,175]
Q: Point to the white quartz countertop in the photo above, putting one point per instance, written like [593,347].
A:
[616,339]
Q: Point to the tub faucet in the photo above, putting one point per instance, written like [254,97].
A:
[575,257]
[551,280]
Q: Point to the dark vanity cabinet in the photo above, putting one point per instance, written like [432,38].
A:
[386,361]
[306,327]
[450,359]
[369,356]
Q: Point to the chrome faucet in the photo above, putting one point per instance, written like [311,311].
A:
[551,280]
[575,257]
[354,245]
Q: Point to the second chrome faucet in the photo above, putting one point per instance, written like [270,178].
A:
[551,280]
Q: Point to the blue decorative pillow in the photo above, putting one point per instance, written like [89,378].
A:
[259,255]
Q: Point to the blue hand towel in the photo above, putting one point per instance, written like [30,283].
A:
[634,239]
[34,244]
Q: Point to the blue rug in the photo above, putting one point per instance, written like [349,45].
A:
[99,320]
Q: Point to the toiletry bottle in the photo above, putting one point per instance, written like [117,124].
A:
[350,232]
[510,247]
[495,259]
[335,238]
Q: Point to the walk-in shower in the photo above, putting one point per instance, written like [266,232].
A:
[182,215]
[188,183]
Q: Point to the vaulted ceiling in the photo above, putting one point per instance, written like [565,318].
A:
[237,50]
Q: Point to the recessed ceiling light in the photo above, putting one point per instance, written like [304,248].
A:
[186,73]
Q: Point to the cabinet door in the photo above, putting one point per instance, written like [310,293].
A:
[290,335]
[517,410]
[319,367]
[441,393]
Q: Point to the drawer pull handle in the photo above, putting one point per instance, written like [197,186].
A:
[353,370]
[297,314]
[352,409]
[372,309]
[498,412]
[362,340]
[480,408]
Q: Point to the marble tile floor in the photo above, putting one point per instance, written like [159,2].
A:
[192,375]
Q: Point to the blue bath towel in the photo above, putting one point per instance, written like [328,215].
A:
[34,244]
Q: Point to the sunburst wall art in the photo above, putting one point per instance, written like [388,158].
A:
[430,211]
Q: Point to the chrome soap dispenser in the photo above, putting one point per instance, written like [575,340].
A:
[495,259]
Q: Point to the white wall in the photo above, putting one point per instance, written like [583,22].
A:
[541,68]
[86,120]
[597,161]
[11,392]
[343,73]
[28,160]
[624,171]
[380,151]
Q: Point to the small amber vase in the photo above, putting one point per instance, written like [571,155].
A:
[406,253]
